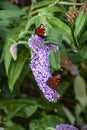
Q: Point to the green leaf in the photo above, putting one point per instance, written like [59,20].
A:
[6,14]
[50,10]
[4,23]
[83,37]
[12,36]
[3,31]
[53,9]
[78,114]
[63,87]
[21,109]
[7,5]
[61,27]
[83,52]
[14,109]
[55,60]
[7,56]
[25,71]
[41,4]
[47,121]
[14,102]
[78,110]
[55,37]
[15,127]
[75,57]
[16,69]
[28,111]
[69,115]
[79,23]
[30,22]
[80,91]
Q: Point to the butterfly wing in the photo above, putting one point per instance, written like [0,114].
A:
[40,31]
[52,82]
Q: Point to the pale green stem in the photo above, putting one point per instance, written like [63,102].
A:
[55,3]
[30,11]
[65,3]
[12,41]
[49,128]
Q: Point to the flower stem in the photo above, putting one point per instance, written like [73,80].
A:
[65,3]
[49,128]
[55,3]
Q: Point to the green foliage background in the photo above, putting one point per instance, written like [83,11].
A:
[22,104]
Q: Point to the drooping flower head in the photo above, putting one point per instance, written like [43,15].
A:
[65,127]
[40,66]
[13,51]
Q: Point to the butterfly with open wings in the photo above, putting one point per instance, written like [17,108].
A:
[40,31]
[52,82]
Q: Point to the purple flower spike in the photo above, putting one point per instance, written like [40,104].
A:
[65,127]
[40,66]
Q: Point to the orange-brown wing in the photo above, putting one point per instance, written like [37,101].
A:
[52,82]
[40,31]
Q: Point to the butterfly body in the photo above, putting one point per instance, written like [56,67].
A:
[52,82]
[40,31]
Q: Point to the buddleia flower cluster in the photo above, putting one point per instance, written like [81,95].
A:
[65,127]
[40,66]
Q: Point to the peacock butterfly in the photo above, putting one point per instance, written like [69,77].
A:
[40,31]
[52,82]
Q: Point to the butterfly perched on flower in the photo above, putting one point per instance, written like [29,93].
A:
[52,82]
[40,31]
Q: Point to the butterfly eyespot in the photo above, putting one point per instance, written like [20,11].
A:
[40,31]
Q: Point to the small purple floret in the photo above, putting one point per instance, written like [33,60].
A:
[40,66]
[65,127]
